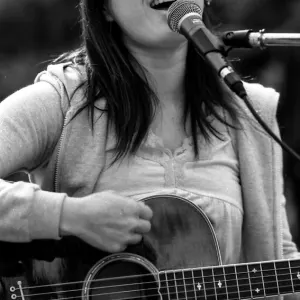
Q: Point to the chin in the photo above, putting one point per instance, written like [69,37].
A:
[165,43]
[172,39]
[159,39]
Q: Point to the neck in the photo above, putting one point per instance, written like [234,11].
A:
[166,70]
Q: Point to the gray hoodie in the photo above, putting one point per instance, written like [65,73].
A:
[67,160]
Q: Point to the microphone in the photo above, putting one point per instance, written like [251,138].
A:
[250,39]
[185,17]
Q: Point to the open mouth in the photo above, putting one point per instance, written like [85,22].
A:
[161,4]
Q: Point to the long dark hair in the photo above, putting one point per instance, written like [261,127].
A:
[114,73]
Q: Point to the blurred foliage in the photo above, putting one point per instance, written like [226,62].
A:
[35,31]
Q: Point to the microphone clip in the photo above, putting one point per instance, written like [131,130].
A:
[244,39]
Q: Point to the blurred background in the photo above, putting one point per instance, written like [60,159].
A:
[36,31]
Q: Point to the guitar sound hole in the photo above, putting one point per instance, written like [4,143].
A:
[123,280]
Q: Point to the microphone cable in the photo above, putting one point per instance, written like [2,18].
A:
[185,17]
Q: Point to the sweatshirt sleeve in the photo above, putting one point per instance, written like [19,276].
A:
[31,121]
[289,247]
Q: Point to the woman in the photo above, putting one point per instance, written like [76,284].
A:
[137,112]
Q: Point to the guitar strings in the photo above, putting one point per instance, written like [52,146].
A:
[177,280]
[176,293]
[175,287]
[173,272]
[157,295]
[162,281]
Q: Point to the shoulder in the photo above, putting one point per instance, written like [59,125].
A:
[68,79]
[263,99]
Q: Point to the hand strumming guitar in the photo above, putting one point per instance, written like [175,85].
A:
[105,220]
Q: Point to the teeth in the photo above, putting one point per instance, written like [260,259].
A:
[156,2]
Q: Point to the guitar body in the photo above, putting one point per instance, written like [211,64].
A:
[181,237]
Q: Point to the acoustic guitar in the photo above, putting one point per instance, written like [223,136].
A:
[178,259]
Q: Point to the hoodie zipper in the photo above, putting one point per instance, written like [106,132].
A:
[57,162]
[281,231]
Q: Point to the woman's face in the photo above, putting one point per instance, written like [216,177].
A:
[144,25]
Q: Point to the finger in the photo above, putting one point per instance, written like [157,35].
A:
[142,226]
[135,239]
[145,211]
[117,248]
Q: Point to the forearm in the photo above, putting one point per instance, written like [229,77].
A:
[28,213]
[31,121]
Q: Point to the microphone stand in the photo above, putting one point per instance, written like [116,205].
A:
[262,40]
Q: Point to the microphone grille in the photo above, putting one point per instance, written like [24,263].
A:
[178,10]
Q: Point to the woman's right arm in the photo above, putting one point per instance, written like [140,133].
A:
[31,121]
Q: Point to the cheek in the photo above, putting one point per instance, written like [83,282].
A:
[128,16]
[134,21]
[134,28]
[125,12]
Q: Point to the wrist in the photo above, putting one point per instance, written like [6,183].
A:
[70,217]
